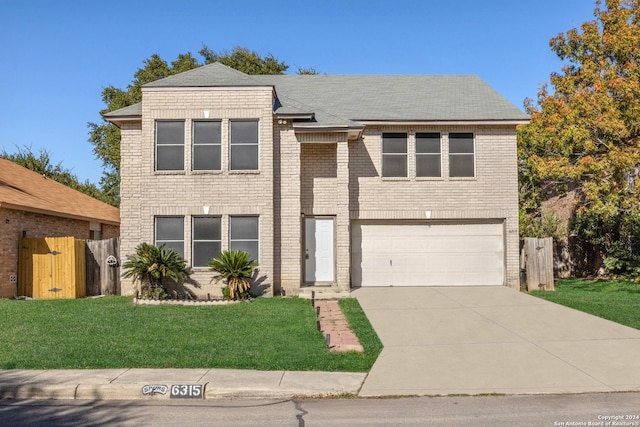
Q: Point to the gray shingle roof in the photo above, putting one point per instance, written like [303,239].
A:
[399,97]
[131,110]
[215,74]
[343,100]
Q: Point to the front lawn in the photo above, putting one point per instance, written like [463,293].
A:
[111,332]
[615,300]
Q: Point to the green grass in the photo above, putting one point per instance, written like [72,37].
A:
[615,300]
[111,332]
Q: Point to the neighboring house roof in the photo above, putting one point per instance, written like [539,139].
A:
[344,100]
[23,189]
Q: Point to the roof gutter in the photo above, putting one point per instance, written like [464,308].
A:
[499,122]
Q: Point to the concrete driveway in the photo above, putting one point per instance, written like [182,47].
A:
[476,340]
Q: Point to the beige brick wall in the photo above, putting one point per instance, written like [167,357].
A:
[305,174]
[146,193]
[13,223]
[491,195]
[324,191]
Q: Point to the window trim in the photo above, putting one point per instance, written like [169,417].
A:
[156,145]
[257,240]
[439,154]
[194,240]
[157,242]
[473,154]
[193,144]
[232,144]
[405,154]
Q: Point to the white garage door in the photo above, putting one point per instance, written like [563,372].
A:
[427,255]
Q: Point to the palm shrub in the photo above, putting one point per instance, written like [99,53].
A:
[152,264]
[236,268]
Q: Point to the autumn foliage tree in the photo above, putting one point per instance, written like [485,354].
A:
[584,135]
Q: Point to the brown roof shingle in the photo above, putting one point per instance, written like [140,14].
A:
[23,189]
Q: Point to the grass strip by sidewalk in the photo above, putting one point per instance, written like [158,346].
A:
[111,332]
[614,300]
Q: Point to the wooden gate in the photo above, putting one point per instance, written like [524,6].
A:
[103,267]
[52,267]
[538,263]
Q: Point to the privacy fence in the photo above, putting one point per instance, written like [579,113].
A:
[65,267]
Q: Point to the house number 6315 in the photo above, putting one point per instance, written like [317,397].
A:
[191,391]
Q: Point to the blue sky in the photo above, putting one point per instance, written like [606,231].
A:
[57,56]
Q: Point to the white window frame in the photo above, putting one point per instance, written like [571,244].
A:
[194,240]
[439,154]
[164,241]
[194,144]
[236,144]
[405,155]
[156,145]
[257,240]
[473,154]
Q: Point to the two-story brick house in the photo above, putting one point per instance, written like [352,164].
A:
[330,182]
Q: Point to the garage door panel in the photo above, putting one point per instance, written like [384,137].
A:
[427,255]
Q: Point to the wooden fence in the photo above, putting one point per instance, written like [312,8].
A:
[103,267]
[65,267]
[537,261]
[52,267]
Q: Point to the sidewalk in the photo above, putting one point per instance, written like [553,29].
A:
[158,384]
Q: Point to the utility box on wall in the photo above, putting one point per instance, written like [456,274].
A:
[52,267]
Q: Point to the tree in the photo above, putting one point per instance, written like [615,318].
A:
[42,164]
[245,60]
[585,133]
[105,137]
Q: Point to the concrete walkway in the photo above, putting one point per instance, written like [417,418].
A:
[476,340]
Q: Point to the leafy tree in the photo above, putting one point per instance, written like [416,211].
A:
[41,163]
[105,137]
[245,60]
[585,131]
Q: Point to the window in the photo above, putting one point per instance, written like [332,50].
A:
[394,154]
[206,146]
[461,155]
[428,154]
[170,232]
[206,240]
[169,145]
[243,144]
[243,235]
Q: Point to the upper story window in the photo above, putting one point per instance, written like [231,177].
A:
[243,152]
[207,153]
[169,230]
[170,145]
[244,234]
[207,240]
[394,154]
[461,155]
[428,157]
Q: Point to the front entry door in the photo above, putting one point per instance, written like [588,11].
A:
[318,254]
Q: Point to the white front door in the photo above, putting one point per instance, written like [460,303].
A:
[318,253]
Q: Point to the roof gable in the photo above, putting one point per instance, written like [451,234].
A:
[23,189]
[210,75]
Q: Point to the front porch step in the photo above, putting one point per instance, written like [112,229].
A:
[322,293]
